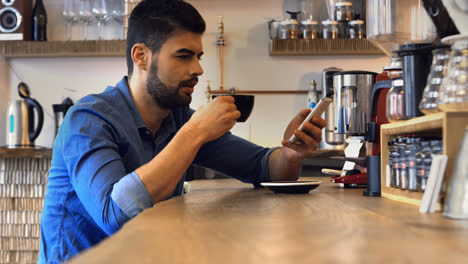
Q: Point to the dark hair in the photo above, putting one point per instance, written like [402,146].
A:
[152,22]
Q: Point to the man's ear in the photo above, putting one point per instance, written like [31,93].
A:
[141,56]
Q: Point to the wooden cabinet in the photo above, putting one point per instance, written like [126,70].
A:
[450,126]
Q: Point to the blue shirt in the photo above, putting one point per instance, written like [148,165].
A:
[93,189]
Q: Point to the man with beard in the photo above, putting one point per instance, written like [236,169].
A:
[126,149]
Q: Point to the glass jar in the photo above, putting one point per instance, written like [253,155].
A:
[421,174]
[289,29]
[283,30]
[310,29]
[343,11]
[411,149]
[309,10]
[399,145]
[396,101]
[427,162]
[430,101]
[393,155]
[330,29]
[454,87]
[403,165]
[357,29]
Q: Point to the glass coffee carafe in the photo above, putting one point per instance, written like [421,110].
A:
[454,87]
[396,98]
[430,101]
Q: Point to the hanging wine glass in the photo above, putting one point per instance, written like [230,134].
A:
[70,15]
[85,17]
[101,14]
[118,13]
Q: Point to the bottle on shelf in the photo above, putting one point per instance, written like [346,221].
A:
[312,96]
[39,22]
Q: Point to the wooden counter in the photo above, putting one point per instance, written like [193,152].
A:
[225,221]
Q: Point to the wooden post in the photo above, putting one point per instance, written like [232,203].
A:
[5,92]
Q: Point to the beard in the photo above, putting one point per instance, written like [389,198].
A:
[164,95]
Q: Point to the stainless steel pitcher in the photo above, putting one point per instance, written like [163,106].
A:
[330,140]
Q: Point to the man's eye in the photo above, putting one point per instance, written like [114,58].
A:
[184,57]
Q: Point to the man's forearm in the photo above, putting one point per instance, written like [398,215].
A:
[161,175]
[283,166]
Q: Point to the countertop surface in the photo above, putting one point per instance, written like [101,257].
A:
[226,221]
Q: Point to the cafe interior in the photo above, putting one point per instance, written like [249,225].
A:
[388,182]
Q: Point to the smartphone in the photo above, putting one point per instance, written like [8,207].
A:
[321,106]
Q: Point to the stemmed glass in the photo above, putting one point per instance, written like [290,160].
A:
[85,18]
[117,10]
[70,15]
[101,14]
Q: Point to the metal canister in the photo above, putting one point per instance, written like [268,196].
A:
[343,11]
[330,29]
[310,29]
[357,29]
[330,140]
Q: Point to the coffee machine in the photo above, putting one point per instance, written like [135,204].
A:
[378,117]
[353,90]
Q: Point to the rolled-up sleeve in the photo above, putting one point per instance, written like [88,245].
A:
[109,194]
[131,195]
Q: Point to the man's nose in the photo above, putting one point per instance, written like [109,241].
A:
[196,69]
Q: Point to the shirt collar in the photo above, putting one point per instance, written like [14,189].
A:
[168,125]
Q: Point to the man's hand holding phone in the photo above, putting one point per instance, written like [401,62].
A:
[304,132]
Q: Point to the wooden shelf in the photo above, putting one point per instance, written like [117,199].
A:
[286,47]
[116,48]
[37,153]
[90,48]
[450,126]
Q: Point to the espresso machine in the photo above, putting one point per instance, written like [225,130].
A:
[378,117]
[353,91]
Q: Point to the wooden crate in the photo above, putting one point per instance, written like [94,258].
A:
[449,125]
[23,180]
